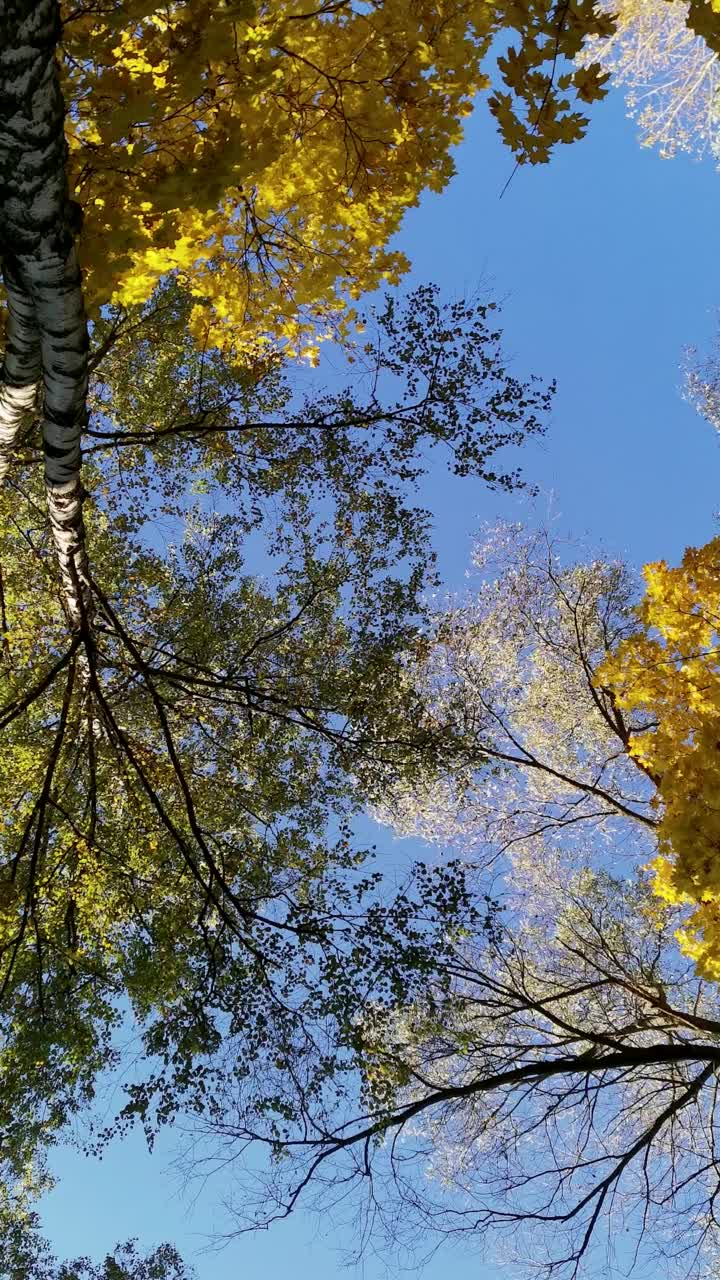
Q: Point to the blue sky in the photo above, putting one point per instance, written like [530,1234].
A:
[606,262]
[600,259]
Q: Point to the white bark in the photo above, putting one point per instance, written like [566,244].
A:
[21,371]
[15,405]
[65,511]
[47,331]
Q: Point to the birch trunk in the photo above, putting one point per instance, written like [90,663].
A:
[47,340]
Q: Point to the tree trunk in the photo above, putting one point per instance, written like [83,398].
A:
[47,332]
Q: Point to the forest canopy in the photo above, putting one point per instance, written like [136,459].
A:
[223,647]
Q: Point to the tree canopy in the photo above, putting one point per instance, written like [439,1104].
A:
[556,1102]
[668,671]
[268,153]
[194,714]
[177,787]
[555,1082]
[670,73]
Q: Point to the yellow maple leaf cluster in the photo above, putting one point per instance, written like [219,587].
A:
[267,156]
[669,671]
[266,153]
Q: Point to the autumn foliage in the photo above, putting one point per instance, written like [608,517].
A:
[267,156]
[669,671]
[180,775]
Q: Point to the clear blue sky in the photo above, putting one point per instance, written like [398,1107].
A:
[607,263]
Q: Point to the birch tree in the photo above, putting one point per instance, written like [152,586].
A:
[46,346]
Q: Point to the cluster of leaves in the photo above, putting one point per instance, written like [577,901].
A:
[430,373]
[670,72]
[27,1253]
[668,671]
[537,112]
[510,675]
[266,154]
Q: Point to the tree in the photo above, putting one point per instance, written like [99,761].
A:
[702,382]
[175,832]
[179,773]
[189,161]
[558,1073]
[265,156]
[268,153]
[561,1092]
[509,674]
[668,671]
[29,1254]
[46,329]
[25,1252]
[126,1263]
[671,74]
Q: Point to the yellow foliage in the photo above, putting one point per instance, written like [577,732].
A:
[669,671]
[282,145]
[267,153]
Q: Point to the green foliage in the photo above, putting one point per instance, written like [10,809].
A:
[126,1263]
[178,784]
[25,1253]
